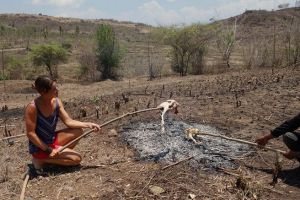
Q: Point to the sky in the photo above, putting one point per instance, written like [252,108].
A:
[154,12]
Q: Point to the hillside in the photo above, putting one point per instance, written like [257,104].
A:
[117,165]
[255,33]
[254,24]
[132,158]
[132,36]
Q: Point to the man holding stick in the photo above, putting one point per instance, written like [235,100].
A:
[291,138]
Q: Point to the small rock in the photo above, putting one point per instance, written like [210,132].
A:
[191,196]
[156,190]
[113,133]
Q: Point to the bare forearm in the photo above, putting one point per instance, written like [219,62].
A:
[37,141]
[76,124]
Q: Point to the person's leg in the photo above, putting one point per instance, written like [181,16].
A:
[66,135]
[67,157]
[292,140]
[37,163]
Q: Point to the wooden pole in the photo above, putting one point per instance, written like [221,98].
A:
[22,196]
[241,141]
[14,136]
[106,123]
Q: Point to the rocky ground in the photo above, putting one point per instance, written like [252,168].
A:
[242,105]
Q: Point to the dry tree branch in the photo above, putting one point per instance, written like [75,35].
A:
[22,196]
[186,159]
[241,141]
[165,106]
[106,123]
[12,137]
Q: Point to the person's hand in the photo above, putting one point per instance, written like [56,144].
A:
[93,126]
[54,153]
[263,140]
[290,154]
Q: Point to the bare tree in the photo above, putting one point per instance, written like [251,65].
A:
[292,42]
[88,67]
[226,39]
[150,64]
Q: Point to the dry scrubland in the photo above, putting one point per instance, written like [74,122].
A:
[241,103]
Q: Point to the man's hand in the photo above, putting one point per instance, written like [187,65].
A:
[291,154]
[263,140]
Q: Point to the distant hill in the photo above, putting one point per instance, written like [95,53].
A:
[133,37]
[253,28]
[253,24]
[69,25]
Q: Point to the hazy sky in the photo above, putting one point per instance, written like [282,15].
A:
[154,12]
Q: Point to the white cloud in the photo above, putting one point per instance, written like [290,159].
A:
[192,14]
[58,3]
[90,13]
[154,13]
[237,7]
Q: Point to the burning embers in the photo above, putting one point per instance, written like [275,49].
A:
[174,145]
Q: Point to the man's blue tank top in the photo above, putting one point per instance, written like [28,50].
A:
[45,127]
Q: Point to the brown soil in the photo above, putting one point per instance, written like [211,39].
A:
[243,105]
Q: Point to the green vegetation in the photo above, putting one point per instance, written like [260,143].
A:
[108,52]
[253,40]
[188,46]
[48,55]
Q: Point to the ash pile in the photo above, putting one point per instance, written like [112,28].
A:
[172,146]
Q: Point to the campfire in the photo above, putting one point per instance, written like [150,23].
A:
[151,145]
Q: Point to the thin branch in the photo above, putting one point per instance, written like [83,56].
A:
[242,141]
[181,161]
[106,123]
[22,196]
[14,136]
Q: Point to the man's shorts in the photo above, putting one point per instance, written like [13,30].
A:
[43,154]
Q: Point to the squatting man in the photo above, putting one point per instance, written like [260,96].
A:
[291,138]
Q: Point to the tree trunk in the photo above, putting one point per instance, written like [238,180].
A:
[50,71]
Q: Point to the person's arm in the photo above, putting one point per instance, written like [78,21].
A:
[287,126]
[30,121]
[71,123]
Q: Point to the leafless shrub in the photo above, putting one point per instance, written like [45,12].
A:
[292,42]
[258,54]
[226,38]
[88,69]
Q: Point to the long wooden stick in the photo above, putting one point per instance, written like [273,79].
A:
[22,196]
[106,123]
[241,141]
[150,109]
[14,136]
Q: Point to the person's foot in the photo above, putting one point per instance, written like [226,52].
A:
[37,164]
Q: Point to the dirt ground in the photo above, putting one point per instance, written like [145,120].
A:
[243,105]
